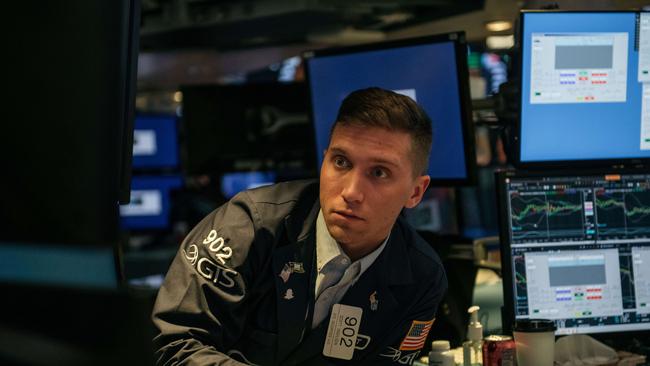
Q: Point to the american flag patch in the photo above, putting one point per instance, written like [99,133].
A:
[416,336]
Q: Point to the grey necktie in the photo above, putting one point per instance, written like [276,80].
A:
[333,271]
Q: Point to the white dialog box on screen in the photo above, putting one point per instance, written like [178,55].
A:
[144,142]
[578,68]
[645,117]
[146,202]
[644,48]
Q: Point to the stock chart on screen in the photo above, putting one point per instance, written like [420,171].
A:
[579,250]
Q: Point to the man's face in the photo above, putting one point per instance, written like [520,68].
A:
[365,181]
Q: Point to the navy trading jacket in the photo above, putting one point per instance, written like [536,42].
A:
[241,289]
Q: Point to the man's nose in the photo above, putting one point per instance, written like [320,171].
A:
[353,188]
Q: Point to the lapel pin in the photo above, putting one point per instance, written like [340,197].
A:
[285,273]
[289,268]
[373,301]
[288,295]
[296,267]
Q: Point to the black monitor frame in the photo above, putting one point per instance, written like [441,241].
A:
[462,74]
[558,164]
[128,74]
[508,311]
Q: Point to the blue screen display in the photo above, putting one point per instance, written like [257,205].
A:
[233,183]
[584,85]
[150,202]
[155,142]
[426,73]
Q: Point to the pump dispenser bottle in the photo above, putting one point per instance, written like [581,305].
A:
[472,348]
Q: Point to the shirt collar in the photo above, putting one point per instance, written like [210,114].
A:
[327,248]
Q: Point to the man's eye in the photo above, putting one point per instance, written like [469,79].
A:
[340,162]
[379,173]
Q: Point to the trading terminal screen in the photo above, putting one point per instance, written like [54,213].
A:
[430,71]
[585,86]
[579,250]
[155,142]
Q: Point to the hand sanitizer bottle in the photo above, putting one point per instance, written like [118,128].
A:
[472,348]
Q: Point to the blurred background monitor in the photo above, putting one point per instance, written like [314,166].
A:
[155,142]
[430,70]
[576,249]
[151,200]
[233,183]
[247,128]
[585,88]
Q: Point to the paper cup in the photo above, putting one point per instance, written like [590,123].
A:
[534,342]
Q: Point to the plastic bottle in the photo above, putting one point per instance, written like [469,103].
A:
[440,354]
[472,348]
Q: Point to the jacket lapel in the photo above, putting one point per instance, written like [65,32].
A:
[292,267]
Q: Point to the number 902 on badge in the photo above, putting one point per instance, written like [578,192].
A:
[342,331]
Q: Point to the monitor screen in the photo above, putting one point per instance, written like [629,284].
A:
[576,249]
[233,183]
[150,204]
[432,71]
[58,265]
[585,92]
[155,142]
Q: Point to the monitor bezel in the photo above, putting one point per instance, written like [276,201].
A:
[462,75]
[617,163]
[508,311]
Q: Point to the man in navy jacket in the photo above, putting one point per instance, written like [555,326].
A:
[314,273]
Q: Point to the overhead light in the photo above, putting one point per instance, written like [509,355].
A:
[500,42]
[498,25]
[178,96]
[395,18]
[346,36]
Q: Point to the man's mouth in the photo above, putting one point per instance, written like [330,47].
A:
[347,214]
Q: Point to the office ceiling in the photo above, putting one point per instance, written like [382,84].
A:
[236,24]
[206,41]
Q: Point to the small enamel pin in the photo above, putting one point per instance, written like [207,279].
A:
[296,267]
[288,295]
[373,301]
[289,268]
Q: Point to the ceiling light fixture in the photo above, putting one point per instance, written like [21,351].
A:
[498,25]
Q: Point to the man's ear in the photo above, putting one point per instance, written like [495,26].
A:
[419,187]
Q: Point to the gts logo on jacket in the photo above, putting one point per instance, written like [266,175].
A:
[206,266]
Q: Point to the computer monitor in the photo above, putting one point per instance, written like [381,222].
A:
[431,70]
[585,88]
[151,201]
[66,152]
[155,142]
[576,249]
[248,127]
[233,183]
